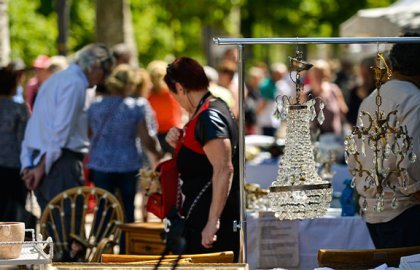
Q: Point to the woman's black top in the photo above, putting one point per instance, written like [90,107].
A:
[214,120]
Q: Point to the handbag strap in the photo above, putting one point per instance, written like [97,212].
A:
[175,155]
[197,198]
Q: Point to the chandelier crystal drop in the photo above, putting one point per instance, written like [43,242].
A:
[299,192]
[388,141]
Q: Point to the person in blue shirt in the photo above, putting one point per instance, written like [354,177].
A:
[56,138]
[116,120]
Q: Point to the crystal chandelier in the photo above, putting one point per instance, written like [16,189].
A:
[299,192]
[388,141]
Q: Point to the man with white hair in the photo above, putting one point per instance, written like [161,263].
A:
[56,134]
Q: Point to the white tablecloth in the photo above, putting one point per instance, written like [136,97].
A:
[314,234]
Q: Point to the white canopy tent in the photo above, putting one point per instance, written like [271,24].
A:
[402,16]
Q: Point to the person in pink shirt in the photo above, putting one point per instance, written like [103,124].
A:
[42,73]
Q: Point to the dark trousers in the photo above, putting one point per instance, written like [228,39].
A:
[227,239]
[65,173]
[12,194]
[126,183]
[269,131]
[402,231]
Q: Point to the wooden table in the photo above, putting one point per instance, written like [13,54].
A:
[140,266]
[143,238]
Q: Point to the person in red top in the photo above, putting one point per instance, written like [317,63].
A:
[207,161]
[168,112]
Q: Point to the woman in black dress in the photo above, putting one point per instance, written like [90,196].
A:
[209,154]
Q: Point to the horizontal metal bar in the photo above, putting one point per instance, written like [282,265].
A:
[274,189]
[310,40]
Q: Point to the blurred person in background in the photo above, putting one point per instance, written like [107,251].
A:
[115,121]
[145,85]
[207,161]
[122,54]
[56,136]
[168,111]
[226,72]
[270,88]
[18,67]
[142,92]
[366,85]
[57,63]
[13,119]
[398,226]
[320,85]
[345,78]
[44,67]
[217,90]
[42,73]
[254,78]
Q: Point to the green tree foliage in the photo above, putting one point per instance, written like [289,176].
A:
[31,32]
[33,27]
[82,24]
[173,27]
[300,17]
[297,18]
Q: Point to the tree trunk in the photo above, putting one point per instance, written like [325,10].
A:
[114,24]
[4,34]
[63,18]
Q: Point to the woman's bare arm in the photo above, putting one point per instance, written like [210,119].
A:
[218,152]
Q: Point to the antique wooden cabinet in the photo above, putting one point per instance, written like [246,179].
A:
[143,238]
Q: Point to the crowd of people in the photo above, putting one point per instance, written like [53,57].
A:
[124,118]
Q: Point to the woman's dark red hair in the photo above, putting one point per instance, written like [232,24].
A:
[187,72]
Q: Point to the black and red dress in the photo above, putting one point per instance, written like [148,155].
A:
[213,120]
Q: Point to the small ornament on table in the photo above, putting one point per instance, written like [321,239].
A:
[149,181]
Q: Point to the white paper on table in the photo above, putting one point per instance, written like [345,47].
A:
[381,267]
[410,262]
[278,242]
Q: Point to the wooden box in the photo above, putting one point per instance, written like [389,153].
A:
[143,238]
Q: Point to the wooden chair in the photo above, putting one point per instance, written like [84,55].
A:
[363,259]
[82,231]
[216,257]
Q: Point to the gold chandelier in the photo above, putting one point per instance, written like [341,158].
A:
[386,138]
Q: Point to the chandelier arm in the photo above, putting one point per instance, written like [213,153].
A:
[284,97]
[408,139]
[388,117]
[358,131]
[370,120]
[360,170]
[277,101]
[409,142]
[399,163]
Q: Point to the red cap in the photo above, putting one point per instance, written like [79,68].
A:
[42,61]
